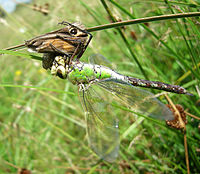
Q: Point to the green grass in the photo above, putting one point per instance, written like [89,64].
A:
[42,123]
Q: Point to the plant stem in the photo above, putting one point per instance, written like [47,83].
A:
[142,20]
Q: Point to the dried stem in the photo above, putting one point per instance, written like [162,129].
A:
[186,154]
[191,115]
[185,137]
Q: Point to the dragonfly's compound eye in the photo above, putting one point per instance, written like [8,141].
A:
[73,31]
[61,72]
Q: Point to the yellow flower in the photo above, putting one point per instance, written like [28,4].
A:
[18,73]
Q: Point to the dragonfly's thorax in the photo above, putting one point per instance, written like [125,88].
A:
[82,73]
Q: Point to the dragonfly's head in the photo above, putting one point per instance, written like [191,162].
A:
[59,67]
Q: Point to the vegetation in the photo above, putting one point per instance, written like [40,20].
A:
[42,123]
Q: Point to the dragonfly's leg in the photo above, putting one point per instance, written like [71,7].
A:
[82,87]
[60,51]
[78,40]
[85,47]
[91,82]
[79,49]
[80,45]
[74,54]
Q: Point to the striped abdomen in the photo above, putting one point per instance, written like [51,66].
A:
[157,85]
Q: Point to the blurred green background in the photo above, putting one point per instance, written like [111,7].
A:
[42,123]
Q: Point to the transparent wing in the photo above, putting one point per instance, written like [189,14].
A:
[102,122]
[137,99]
[140,100]
[102,115]
[100,60]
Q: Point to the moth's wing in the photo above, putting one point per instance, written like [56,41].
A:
[138,100]
[102,122]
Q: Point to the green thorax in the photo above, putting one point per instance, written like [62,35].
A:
[84,73]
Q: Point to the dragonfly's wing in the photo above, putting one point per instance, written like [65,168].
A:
[102,123]
[100,60]
[139,100]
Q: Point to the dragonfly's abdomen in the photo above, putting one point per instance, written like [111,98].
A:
[157,85]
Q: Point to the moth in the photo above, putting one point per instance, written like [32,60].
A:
[70,41]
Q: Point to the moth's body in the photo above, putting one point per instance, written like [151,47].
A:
[60,41]
[69,41]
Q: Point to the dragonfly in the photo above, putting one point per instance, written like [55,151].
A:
[70,41]
[103,91]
